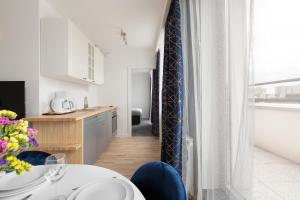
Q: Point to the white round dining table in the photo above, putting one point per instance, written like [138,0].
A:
[75,176]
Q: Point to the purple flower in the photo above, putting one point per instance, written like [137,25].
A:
[33,141]
[24,149]
[3,162]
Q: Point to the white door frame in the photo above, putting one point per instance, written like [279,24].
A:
[130,69]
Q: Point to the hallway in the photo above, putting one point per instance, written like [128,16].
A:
[142,129]
[126,154]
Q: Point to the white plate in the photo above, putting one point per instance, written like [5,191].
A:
[129,189]
[11,193]
[12,181]
[108,188]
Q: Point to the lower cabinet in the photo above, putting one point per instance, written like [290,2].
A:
[97,136]
[82,136]
[102,133]
[110,132]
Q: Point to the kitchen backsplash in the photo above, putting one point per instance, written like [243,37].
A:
[49,86]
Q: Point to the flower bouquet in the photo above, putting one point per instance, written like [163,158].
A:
[15,137]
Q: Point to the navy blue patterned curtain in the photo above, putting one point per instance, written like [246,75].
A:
[155,97]
[172,94]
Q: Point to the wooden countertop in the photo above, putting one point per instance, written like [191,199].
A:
[78,115]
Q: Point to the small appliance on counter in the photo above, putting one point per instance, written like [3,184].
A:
[62,103]
[86,103]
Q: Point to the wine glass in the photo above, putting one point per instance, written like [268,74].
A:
[55,166]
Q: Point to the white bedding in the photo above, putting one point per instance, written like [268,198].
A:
[137,111]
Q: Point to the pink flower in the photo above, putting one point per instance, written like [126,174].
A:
[32,131]
[3,145]
[7,121]
[4,121]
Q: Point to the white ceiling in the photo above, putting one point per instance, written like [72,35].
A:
[102,20]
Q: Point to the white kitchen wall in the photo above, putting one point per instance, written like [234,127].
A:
[78,91]
[114,90]
[47,11]
[48,85]
[140,92]
[19,47]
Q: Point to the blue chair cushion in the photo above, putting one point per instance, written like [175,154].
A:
[159,181]
[34,157]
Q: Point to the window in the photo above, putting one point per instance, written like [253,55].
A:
[276,50]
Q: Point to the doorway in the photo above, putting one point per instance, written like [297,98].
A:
[139,101]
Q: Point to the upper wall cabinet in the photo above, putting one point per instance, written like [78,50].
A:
[99,67]
[66,53]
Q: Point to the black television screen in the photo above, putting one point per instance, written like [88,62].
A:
[12,97]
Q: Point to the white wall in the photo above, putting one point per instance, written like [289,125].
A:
[19,47]
[78,91]
[278,130]
[47,11]
[140,92]
[114,90]
[160,46]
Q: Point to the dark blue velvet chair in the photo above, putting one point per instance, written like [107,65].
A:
[34,157]
[159,181]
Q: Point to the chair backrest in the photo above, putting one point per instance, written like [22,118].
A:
[34,157]
[159,181]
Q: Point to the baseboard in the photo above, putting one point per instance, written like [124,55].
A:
[122,135]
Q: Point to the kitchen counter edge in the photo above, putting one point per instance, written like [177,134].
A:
[75,116]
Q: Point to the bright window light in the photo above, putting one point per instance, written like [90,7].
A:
[276,40]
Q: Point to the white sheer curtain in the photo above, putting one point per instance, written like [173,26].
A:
[216,35]
[190,17]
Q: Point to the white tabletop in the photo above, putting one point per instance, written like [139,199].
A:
[76,176]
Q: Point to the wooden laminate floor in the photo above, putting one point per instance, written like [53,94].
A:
[126,154]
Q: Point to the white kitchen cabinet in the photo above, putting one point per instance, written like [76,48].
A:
[78,52]
[66,53]
[91,62]
[99,67]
